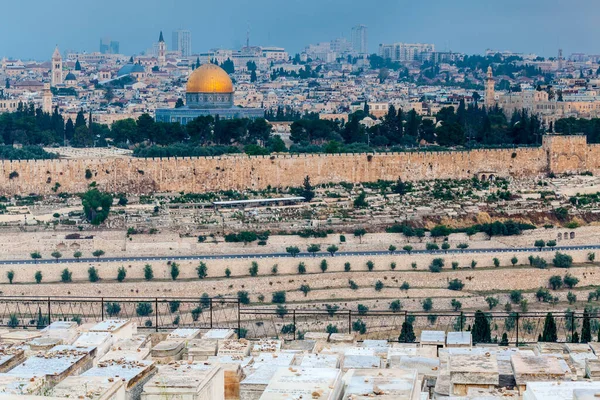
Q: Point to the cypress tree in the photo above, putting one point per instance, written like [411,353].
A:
[586,332]
[549,333]
[407,334]
[504,341]
[575,338]
[481,329]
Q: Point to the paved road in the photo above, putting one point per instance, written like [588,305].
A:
[301,255]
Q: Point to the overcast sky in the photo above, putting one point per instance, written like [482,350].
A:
[30,29]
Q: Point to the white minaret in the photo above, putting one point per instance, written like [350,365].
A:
[162,51]
[57,73]
[490,93]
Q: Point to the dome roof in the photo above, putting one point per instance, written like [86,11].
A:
[70,77]
[209,78]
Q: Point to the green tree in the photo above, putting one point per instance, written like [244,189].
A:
[98,254]
[243,297]
[56,255]
[549,333]
[370,265]
[492,302]
[456,305]
[359,233]
[496,262]
[174,271]
[253,270]
[455,284]
[38,277]
[392,249]
[586,331]
[292,250]
[555,282]
[323,265]
[516,296]
[305,289]
[278,297]
[77,255]
[35,256]
[332,249]
[148,273]
[436,265]
[504,340]
[96,206]
[395,306]
[313,249]
[301,268]
[427,304]
[481,329]
[562,260]
[10,275]
[308,192]
[362,309]
[202,270]
[143,309]
[113,309]
[514,261]
[378,286]
[407,248]
[93,274]
[540,244]
[66,276]
[570,281]
[407,334]
[121,274]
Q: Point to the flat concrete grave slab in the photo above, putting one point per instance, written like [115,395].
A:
[323,336]
[436,338]
[425,366]
[219,334]
[592,369]
[255,383]
[234,347]
[459,339]
[360,362]
[44,343]
[472,371]
[10,384]
[66,332]
[21,336]
[135,373]
[90,388]
[183,380]
[384,384]
[558,390]
[200,349]
[119,328]
[341,338]
[305,345]
[183,333]
[102,341]
[550,348]
[266,346]
[304,383]
[168,350]
[11,356]
[320,361]
[535,369]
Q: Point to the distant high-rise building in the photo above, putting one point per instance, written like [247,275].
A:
[182,41]
[359,39]
[108,46]
[405,52]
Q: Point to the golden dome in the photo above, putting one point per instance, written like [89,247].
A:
[209,78]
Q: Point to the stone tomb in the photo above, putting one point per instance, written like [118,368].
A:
[44,343]
[56,364]
[352,361]
[233,373]
[10,384]
[304,383]
[434,339]
[266,346]
[119,328]
[90,388]
[168,351]
[535,369]
[135,373]
[558,390]
[21,336]
[10,356]
[472,371]
[219,334]
[459,339]
[183,334]
[232,347]
[592,369]
[102,341]
[320,361]
[383,384]
[200,349]
[186,381]
[64,331]
[341,338]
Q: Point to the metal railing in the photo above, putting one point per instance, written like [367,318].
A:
[281,322]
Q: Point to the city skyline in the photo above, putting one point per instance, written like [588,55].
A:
[469,27]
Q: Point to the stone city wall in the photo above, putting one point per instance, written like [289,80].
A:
[559,154]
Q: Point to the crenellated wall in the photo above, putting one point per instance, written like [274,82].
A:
[559,154]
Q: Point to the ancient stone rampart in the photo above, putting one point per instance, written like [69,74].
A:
[559,154]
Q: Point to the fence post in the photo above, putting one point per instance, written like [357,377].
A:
[349,322]
[462,321]
[294,322]
[210,304]
[572,325]
[49,313]
[156,313]
[239,318]
[517,344]
[102,307]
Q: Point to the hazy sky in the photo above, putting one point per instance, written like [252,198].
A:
[31,29]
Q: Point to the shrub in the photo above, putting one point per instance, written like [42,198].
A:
[395,306]
[514,261]
[196,313]
[370,265]
[113,309]
[253,270]
[347,267]
[342,238]
[227,272]
[393,266]
[359,326]
[555,282]
[392,248]
[305,289]
[202,270]
[174,271]
[289,328]
[331,329]
[143,309]
[352,284]
[492,302]
[174,306]
[292,250]
[313,249]
[281,311]
[456,305]
[278,297]
[404,286]
[323,265]
[10,275]
[38,277]
[427,304]
[407,248]
[407,334]
[121,274]
[148,323]
[243,297]
[148,273]
[13,321]
[455,284]
[562,260]
[431,246]
[551,243]
[539,244]
[413,265]
[274,269]
[570,281]
[378,286]
[496,262]
[436,265]
[66,275]
[538,262]
[473,264]
[331,309]
[591,257]
[462,246]
[515,296]
[455,265]
[93,274]
[362,309]
[571,298]
[543,295]
[301,268]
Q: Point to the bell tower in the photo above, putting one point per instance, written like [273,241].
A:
[490,93]
[57,73]
[47,99]
[162,51]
